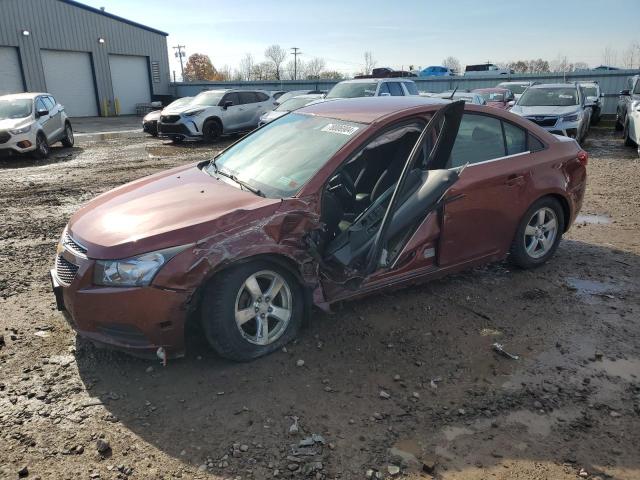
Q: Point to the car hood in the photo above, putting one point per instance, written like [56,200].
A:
[272,115]
[175,207]
[155,115]
[544,110]
[11,123]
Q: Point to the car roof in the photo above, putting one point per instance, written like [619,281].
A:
[490,90]
[515,82]
[371,80]
[27,95]
[554,85]
[369,109]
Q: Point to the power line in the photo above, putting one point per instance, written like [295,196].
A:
[180,53]
[295,54]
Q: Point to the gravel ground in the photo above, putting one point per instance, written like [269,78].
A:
[402,384]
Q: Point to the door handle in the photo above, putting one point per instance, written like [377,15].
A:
[514,180]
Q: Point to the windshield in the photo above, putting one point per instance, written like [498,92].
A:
[516,88]
[549,97]
[16,108]
[637,89]
[492,96]
[353,90]
[282,156]
[208,99]
[294,103]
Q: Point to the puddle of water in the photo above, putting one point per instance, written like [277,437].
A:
[408,450]
[591,287]
[628,370]
[536,424]
[451,433]
[588,218]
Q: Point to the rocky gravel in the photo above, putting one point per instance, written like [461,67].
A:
[403,384]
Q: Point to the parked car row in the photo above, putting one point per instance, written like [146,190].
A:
[628,112]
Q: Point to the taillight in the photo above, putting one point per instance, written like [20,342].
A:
[583,157]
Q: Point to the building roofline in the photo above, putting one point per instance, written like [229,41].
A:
[73,3]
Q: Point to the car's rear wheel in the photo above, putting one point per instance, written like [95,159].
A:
[538,234]
[251,310]
[211,130]
[68,139]
[42,146]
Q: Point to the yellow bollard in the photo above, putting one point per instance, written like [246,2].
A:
[117,103]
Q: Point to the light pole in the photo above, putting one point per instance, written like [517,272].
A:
[295,54]
[180,53]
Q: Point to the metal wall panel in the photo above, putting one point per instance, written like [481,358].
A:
[59,25]
[130,78]
[611,82]
[10,71]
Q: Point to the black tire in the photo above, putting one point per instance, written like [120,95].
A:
[68,139]
[211,130]
[627,139]
[42,147]
[227,290]
[519,254]
[595,120]
[618,125]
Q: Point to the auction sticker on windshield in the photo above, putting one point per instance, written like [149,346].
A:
[340,128]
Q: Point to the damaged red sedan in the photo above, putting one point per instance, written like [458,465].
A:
[330,202]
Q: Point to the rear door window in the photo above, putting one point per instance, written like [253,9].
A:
[411,88]
[395,89]
[479,139]
[247,97]
[262,97]
[383,89]
[515,139]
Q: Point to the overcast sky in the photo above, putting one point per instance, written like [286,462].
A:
[399,33]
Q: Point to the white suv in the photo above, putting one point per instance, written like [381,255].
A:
[373,87]
[213,113]
[32,122]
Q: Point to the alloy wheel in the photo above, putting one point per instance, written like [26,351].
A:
[263,307]
[540,232]
[69,133]
[42,146]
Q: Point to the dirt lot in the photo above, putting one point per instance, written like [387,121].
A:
[568,408]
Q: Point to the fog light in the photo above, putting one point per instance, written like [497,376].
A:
[24,144]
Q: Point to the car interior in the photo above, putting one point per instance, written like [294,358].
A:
[357,196]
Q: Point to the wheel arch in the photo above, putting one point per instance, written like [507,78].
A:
[564,203]
[214,118]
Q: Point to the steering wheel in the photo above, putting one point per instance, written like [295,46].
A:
[342,185]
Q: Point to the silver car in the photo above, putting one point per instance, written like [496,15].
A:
[373,87]
[213,113]
[558,107]
[290,105]
[516,87]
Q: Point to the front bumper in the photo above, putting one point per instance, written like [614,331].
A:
[23,143]
[150,127]
[183,128]
[137,320]
[634,127]
[567,129]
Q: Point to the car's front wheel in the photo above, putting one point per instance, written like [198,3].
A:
[251,310]
[42,146]
[538,234]
[211,130]
[628,142]
[68,139]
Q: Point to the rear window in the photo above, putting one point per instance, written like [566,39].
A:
[411,88]
[247,97]
[353,90]
[395,89]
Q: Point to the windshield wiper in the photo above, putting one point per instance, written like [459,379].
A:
[238,181]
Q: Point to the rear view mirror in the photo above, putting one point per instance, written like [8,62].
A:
[42,113]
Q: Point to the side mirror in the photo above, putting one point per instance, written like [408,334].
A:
[511,103]
[625,92]
[227,104]
[42,113]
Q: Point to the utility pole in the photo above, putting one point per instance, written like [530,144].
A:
[295,54]
[180,53]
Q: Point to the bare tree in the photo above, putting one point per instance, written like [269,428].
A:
[631,56]
[369,63]
[276,55]
[315,67]
[263,71]
[225,73]
[609,57]
[578,66]
[453,63]
[290,70]
[246,66]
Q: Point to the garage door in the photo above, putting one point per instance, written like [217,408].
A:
[130,80]
[10,72]
[69,77]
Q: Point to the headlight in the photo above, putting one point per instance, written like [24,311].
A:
[193,113]
[18,131]
[635,105]
[571,118]
[135,271]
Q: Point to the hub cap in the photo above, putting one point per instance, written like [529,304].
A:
[263,307]
[540,233]
[69,134]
